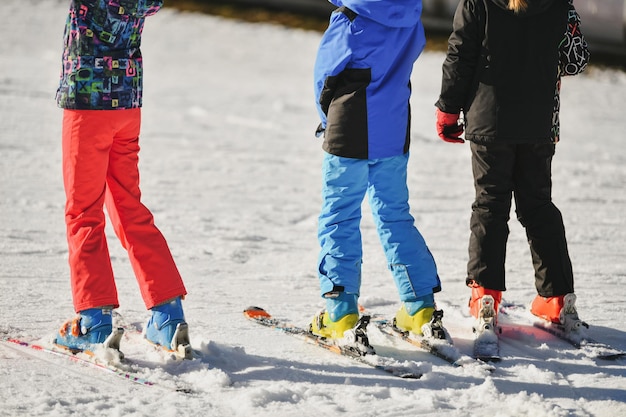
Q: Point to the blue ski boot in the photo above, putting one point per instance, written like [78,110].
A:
[167,328]
[92,327]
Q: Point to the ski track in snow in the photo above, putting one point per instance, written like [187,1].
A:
[231,171]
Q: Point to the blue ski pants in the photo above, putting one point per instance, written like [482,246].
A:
[345,183]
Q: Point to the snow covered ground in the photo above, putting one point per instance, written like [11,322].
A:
[231,170]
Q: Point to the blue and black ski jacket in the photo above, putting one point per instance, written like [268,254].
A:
[362,77]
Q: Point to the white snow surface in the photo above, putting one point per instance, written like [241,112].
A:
[231,170]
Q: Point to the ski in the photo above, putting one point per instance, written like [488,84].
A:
[487,332]
[353,351]
[441,347]
[487,342]
[580,340]
[85,358]
[576,335]
[109,360]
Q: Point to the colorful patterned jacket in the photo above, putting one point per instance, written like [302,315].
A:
[102,64]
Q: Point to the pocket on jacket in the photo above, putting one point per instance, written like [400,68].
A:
[346,129]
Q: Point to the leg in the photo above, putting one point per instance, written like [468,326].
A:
[87,137]
[411,263]
[492,166]
[339,235]
[150,257]
[339,268]
[542,220]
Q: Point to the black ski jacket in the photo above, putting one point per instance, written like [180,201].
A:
[503,69]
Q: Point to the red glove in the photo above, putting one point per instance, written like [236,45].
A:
[448,127]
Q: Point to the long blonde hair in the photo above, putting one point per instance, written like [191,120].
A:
[518,5]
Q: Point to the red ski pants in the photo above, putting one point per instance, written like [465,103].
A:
[100,157]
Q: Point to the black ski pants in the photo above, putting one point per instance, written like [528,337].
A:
[523,171]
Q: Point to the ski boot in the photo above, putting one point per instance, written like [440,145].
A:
[559,309]
[476,304]
[88,330]
[420,318]
[341,314]
[167,328]
[340,322]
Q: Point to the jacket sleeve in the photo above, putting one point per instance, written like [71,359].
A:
[573,50]
[148,7]
[463,56]
[333,55]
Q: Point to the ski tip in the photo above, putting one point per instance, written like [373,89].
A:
[606,352]
[488,358]
[409,375]
[612,356]
[256,313]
